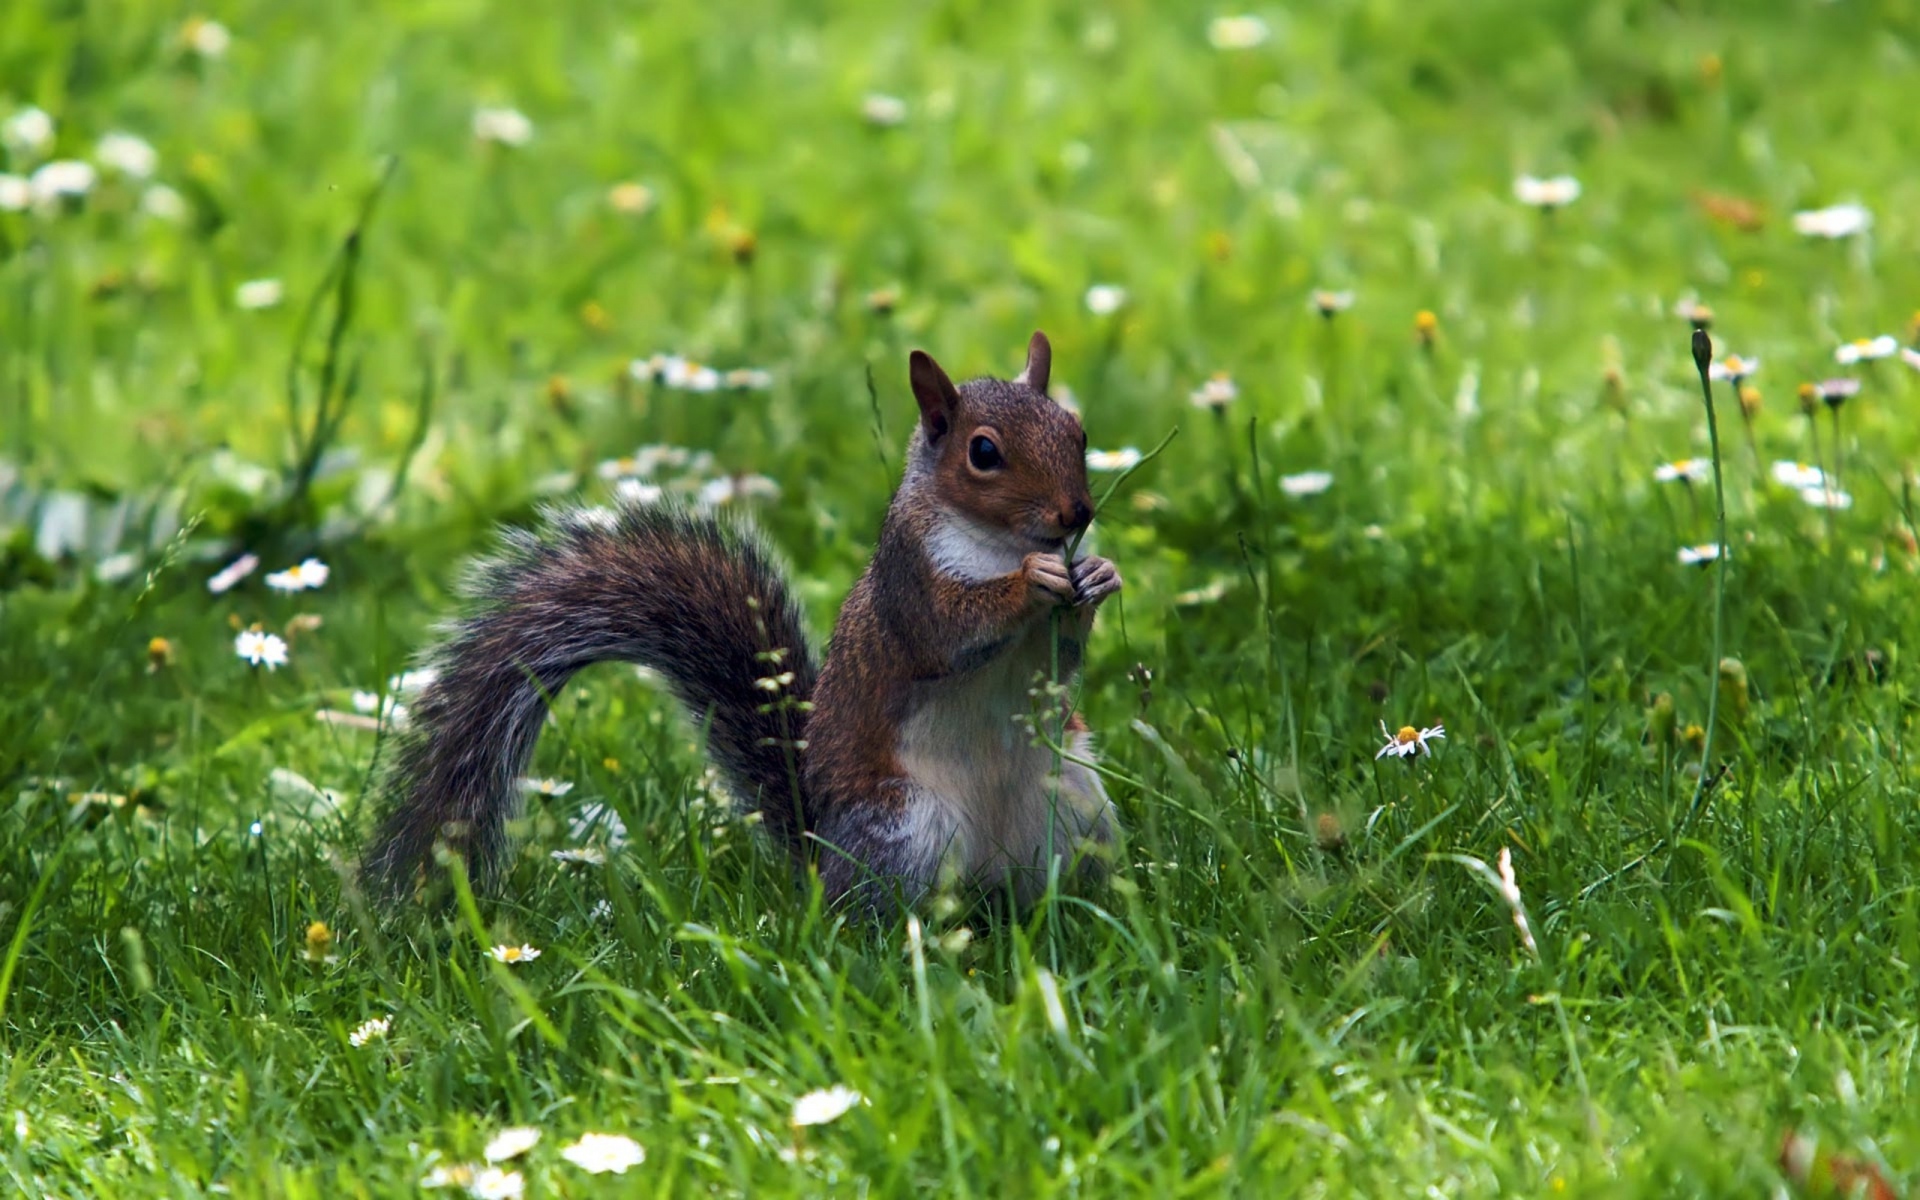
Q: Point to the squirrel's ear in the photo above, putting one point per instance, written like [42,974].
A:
[1039,363]
[939,400]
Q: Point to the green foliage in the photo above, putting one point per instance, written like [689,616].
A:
[1291,986]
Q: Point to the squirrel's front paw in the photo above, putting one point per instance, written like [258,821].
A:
[1049,583]
[1094,579]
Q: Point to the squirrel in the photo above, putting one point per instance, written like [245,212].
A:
[898,762]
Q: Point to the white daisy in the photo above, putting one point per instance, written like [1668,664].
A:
[827,1104]
[1688,470]
[1798,475]
[545,787]
[1838,221]
[497,1183]
[1237,33]
[414,680]
[61,180]
[1328,303]
[208,39]
[512,955]
[1556,192]
[505,126]
[1113,460]
[16,194]
[127,154]
[388,708]
[1306,483]
[1825,495]
[312,573]
[163,203]
[257,294]
[632,491]
[28,133]
[371,1030]
[883,110]
[1408,741]
[1216,393]
[1864,349]
[630,198]
[460,1175]
[1732,369]
[602,910]
[1697,556]
[600,1153]
[511,1143]
[1105,299]
[224,579]
[1836,391]
[688,375]
[261,649]
[585,856]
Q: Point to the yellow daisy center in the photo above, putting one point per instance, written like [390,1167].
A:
[1407,734]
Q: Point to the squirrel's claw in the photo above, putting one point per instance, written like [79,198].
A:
[1049,578]
[1094,579]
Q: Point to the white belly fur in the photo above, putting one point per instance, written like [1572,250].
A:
[982,794]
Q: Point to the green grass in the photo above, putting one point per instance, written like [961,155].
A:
[1290,986]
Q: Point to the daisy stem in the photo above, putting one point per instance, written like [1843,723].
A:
[1702,358]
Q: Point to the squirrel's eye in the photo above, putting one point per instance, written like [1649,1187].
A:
[984,455]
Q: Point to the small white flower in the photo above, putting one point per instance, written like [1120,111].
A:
[506,126]
[748,379]
[824,1105]
[632,491]
[1825,495]
[208,39]
[388,708]
[883,110]
[1835,391]
[1105,299]
[1556,192]
[256,294]
[1408,741]
[1209,594]
[1113,460]
[1216,393]
[630,198]
[414,680]
[600,1153]
[585,856]
[1684,470]
[687,375]
[1328,303]
[497,1183]
[514,954]
[162,203]
[1697,556]
[1237,33]
[261,649]
[61,180]
[1732,369]
[127,154]
[371,1030]
[1798,475]
[1863,349]
[602,910]
[545,787]
[224,579]
[1306,483]
[511,1143]
[16,194]
[28,133]
[1838,221]
[460,1175]
[311,573]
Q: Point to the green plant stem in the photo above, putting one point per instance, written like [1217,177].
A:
[1719,592]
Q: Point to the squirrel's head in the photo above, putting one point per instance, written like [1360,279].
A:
[1001,452]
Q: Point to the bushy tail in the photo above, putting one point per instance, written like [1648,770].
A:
[697,600]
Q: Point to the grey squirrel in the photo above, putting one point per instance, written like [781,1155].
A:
[898,760]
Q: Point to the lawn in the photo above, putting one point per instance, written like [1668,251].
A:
[365,283]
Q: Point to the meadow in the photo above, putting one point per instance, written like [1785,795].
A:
[352,285]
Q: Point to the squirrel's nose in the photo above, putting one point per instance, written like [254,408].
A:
[1078,517]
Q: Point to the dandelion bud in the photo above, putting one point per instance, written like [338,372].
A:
[1749,402]
[1736,698]
[560,395]
[1660,721]
[159,654]
[319,942]
[1694,736]
[1809,395]
[882,301]
[742,245]
[1426,327]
